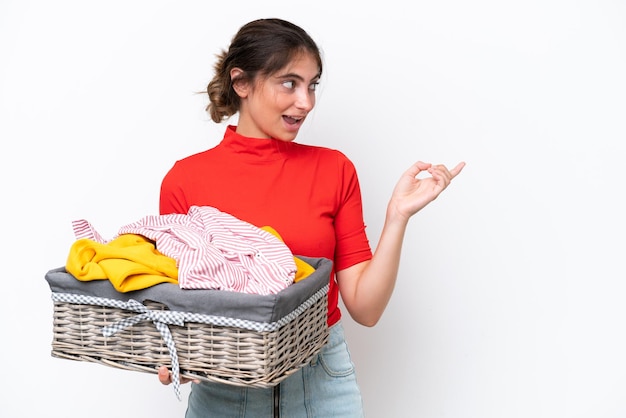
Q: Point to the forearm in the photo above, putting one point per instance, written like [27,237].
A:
[371,287]
[367,288]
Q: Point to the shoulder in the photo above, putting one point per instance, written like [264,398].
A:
[184,169]
[329,165]
[197,157]
[329,154]
[193,161]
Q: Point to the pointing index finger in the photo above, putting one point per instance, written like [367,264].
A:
[457,169]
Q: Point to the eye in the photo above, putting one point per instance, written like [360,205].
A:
[313,86]
[290,84]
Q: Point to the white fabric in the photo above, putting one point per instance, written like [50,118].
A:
[213,250]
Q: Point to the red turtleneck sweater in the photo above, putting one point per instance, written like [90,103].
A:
[309,195]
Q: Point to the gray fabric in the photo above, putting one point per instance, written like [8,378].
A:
[260,308]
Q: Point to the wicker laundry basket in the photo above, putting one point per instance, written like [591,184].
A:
[213,335]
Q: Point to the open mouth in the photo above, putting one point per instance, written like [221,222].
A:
[292,120]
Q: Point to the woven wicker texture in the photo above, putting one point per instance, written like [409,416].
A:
[207,352]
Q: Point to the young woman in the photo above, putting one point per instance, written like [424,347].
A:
[309,195]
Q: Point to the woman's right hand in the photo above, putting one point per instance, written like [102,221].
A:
[165,377]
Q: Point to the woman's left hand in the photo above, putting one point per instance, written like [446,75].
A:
[411,193]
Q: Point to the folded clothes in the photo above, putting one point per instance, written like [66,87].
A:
[203,249]
[130,262]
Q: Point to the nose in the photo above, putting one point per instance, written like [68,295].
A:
[305,99]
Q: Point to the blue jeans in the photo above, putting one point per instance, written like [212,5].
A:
[325,388]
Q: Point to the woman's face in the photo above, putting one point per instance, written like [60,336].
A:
[276,106]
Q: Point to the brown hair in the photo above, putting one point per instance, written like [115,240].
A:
[260,48]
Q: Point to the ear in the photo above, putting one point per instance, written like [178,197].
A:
[240,86]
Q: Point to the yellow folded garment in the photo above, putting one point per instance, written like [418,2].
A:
[130,262]
[303,269]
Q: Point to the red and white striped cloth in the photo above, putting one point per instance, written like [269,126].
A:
[213,250]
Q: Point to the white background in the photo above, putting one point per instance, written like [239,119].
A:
[510,300]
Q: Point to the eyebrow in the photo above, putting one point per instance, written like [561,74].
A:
[299,77]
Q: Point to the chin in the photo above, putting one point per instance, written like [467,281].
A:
[286,137]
